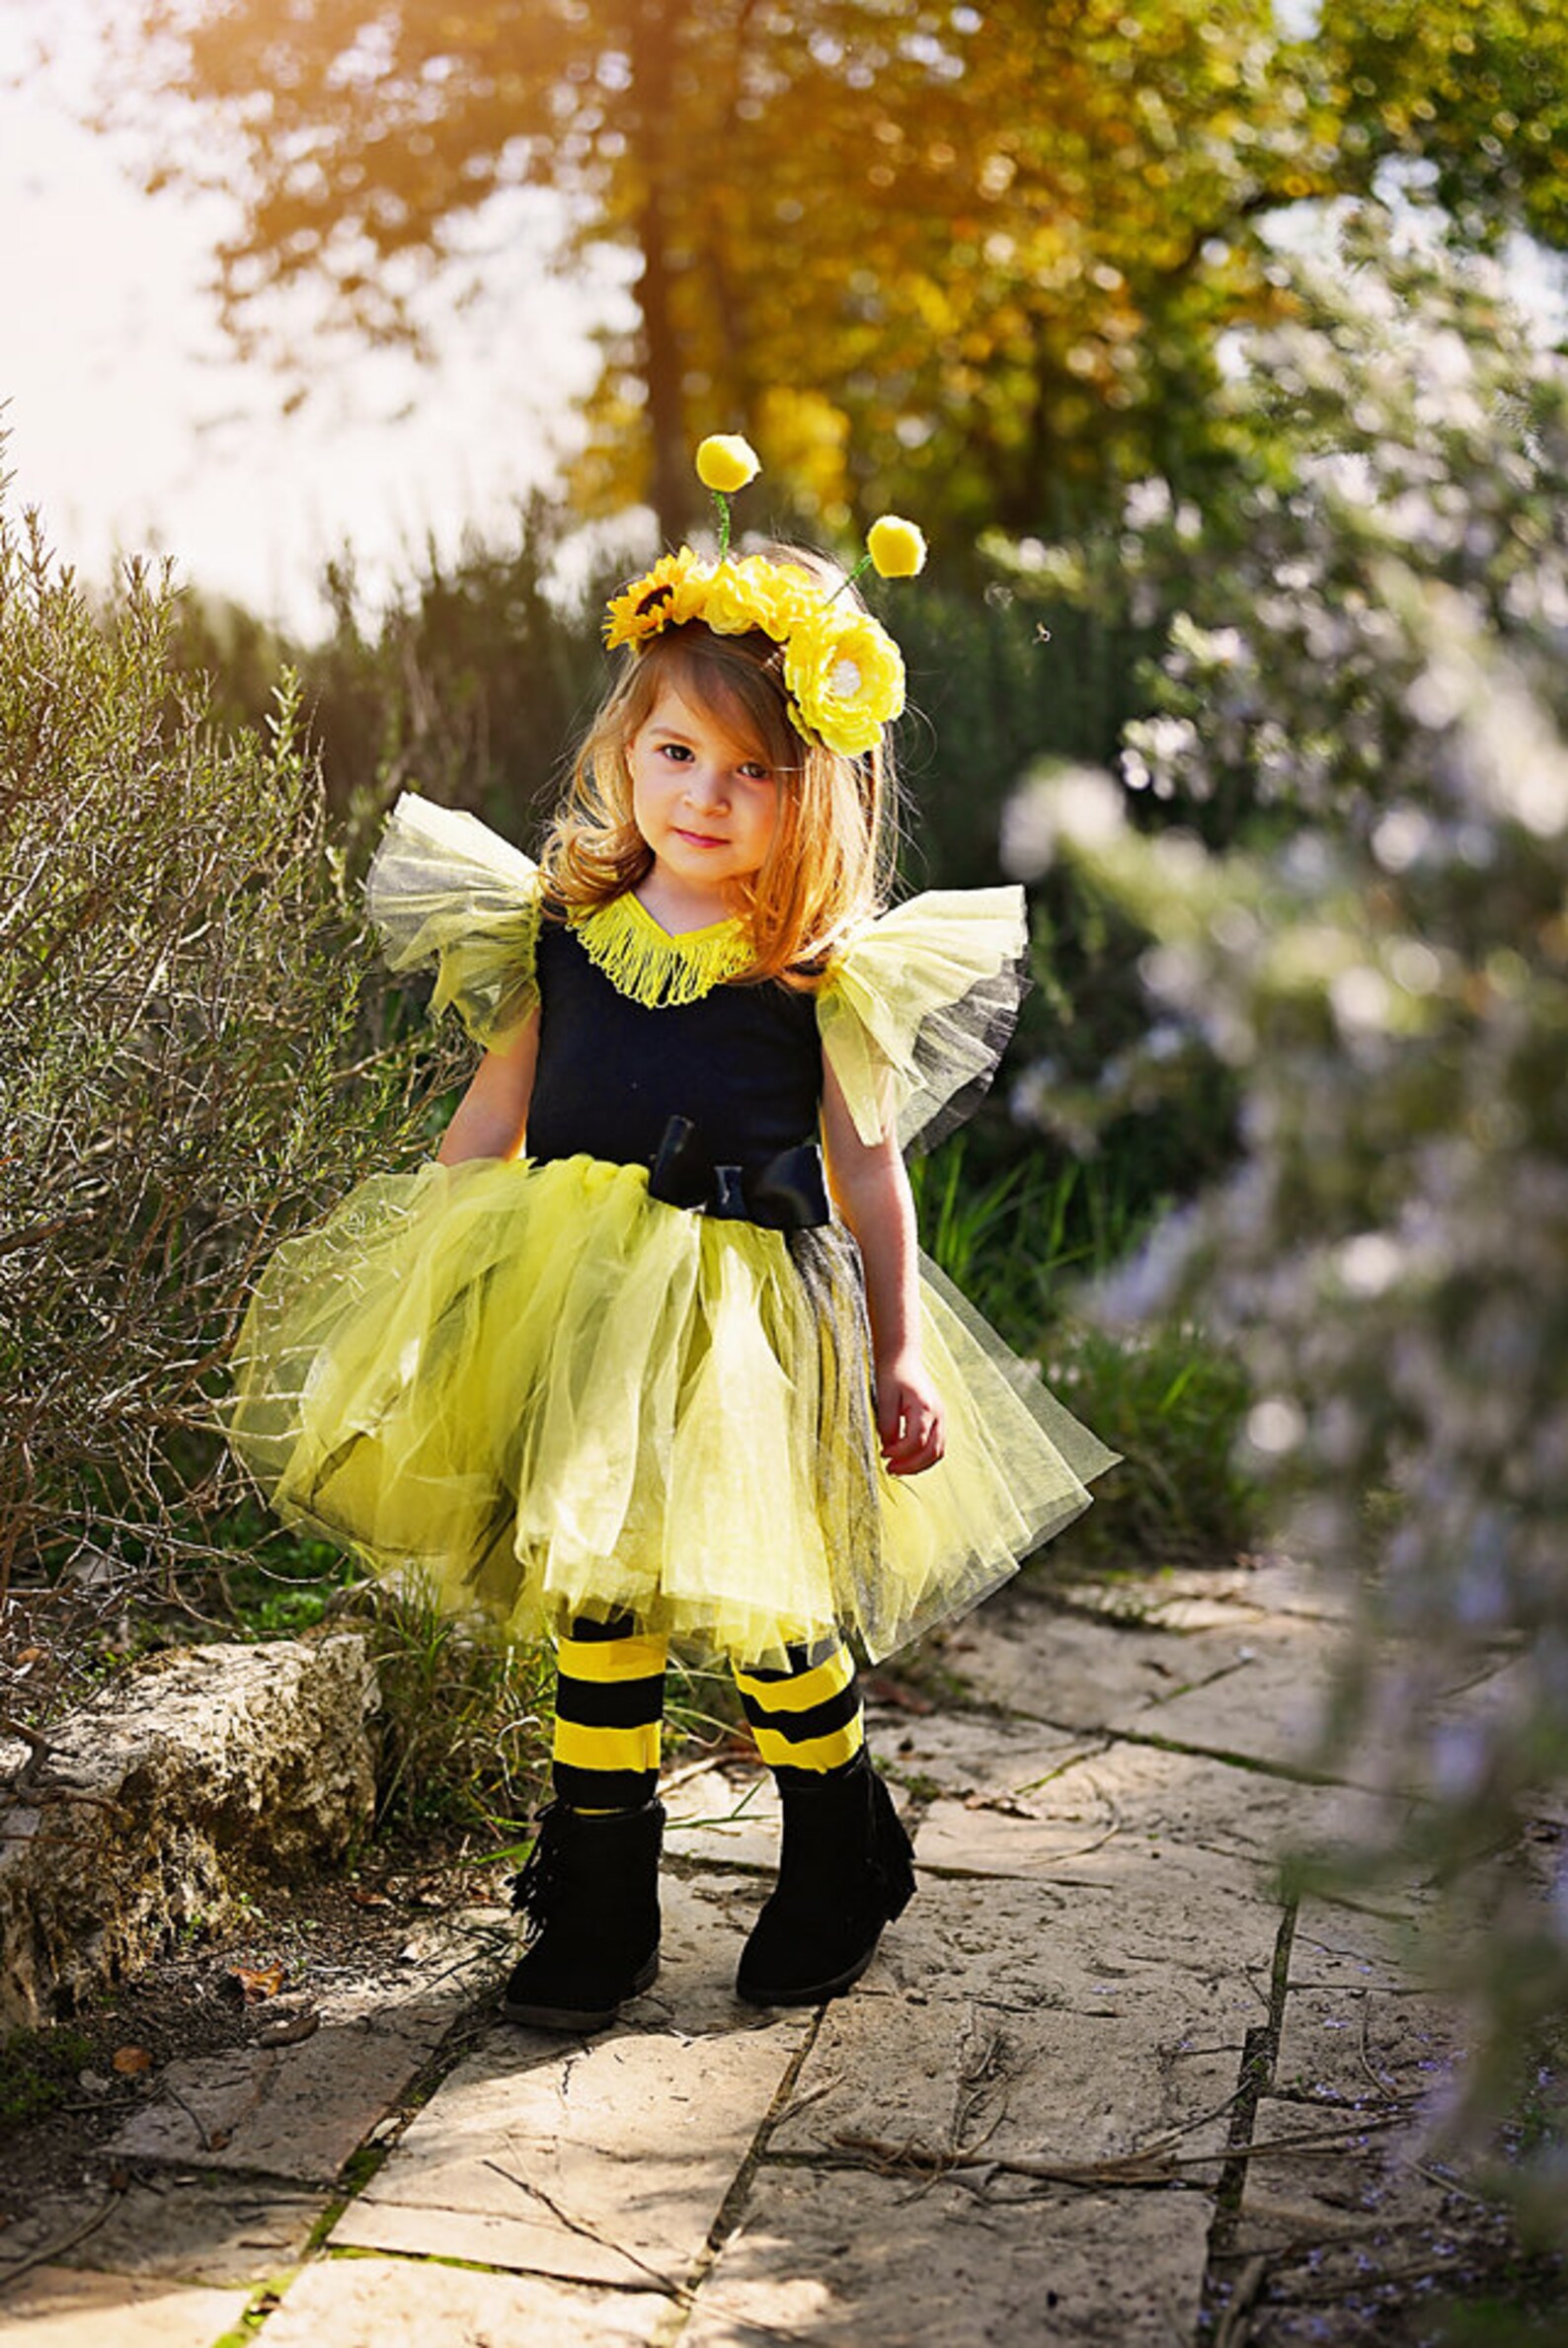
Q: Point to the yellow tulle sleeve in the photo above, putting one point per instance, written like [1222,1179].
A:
[443,889]
[915,1009]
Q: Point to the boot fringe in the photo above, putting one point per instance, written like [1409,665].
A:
[537,1890]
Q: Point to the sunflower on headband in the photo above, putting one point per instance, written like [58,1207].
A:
[843,671]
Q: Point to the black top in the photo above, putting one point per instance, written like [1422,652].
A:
[693,1091]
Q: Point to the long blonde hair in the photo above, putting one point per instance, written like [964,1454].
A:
[831,859]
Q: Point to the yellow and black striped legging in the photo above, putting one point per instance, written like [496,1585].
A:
[610,1701]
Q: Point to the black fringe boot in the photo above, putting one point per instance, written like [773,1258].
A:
[844,1872]
[590,1898]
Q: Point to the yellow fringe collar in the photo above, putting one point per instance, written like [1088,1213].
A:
[642,959]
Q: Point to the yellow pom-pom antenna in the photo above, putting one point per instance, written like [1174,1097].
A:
[725,462]
[897,547]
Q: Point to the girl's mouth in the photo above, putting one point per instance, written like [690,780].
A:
[700,840]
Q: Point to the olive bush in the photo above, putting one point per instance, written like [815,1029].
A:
[191,1066]
[1365,654]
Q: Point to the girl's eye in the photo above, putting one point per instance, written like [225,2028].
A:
[673,749]
[756,772]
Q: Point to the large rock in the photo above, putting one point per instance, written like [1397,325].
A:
[160,1795]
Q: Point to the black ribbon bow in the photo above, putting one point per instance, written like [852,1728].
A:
[787,1194]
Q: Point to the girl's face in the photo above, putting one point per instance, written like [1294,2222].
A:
[706,803]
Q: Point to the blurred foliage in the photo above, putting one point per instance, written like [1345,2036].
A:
[191,1069]
[1373,632]
[976,260]
[1474,97]
[990,684]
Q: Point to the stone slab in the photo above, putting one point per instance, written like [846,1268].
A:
[1251,1685]
[296,2112]
[384,2303]
[974,1755]
[1124,1788]
[1340,1947]
[634,2136]
[1258,1691]
[1195,1597]
[299,2111]
[1277,1584]
[725,1817]
[1335,2217]
[1367,2046]
[843,2258]
[1129,1945]
[1175,1597]
[952,2076]
[1364,2043]
[705,1918]
[182,2228]
[58,2308]
[603,2161]
[978,1837]
[1026,1656]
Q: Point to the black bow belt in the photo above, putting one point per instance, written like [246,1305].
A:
[788,1193]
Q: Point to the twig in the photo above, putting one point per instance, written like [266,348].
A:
[1150,2165]
[1384,2087]
[39,1750]
[1435,2176]
[591,2233]
[691,1769]
[1235,2327]
[49,2251]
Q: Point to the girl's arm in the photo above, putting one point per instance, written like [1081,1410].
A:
[872,1192]
[492,1118]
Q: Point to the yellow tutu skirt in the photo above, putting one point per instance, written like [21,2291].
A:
[561,1398]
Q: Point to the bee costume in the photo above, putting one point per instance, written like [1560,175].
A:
[629,1373]
[619,1389]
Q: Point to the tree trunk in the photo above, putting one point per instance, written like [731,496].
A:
[655,27]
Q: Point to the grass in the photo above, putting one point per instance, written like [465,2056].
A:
[1526,2305]
[279,1584]
[37,2070]
[466,1720]
[1172,1403]
[1167,1398]
[1014,1241]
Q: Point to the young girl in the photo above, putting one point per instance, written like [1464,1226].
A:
[649,1353]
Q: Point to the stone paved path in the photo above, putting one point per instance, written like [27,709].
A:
[1106,2082]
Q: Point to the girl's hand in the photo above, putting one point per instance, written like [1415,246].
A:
[908,1415]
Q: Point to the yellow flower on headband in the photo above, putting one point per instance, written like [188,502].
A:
[897,547]
[846,677]
[725,462]
[755,593]
[656,600]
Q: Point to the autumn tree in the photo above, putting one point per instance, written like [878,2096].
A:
[971,257]
[1474,98]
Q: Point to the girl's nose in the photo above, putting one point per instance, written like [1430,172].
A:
[706,787]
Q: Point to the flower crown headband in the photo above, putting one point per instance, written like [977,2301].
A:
[842,672]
